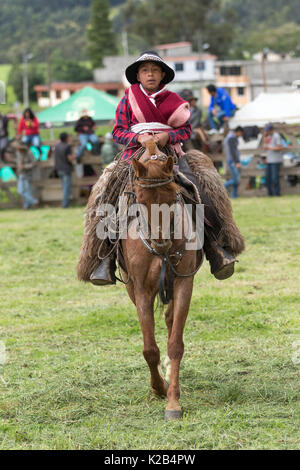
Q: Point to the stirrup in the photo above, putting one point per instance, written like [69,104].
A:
[104,274]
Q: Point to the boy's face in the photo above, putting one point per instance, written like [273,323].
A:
[150,76]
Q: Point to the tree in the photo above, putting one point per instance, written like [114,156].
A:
[67,70]
[15,79]
[160,22]
[101,38]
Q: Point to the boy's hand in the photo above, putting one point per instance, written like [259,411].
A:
[142,139]
[162,139]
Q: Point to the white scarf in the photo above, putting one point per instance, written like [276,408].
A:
[153,95]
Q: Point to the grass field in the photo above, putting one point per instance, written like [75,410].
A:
[75,377]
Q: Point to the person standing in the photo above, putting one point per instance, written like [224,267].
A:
[227,109]
[85,128]
[273,145]
[25,164]
[64,157]
[29,124]
[233,159]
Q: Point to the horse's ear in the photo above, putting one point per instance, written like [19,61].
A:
[139,168]
[168,166]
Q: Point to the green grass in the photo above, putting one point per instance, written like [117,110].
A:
[75,377]
[4,71]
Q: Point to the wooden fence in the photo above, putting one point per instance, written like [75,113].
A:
[252,174]
[48,188]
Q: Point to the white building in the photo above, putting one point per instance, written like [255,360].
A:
[192,70]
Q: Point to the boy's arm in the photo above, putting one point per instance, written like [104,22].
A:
[180,134]
[121,132]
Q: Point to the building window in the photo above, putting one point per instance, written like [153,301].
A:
[58,94]
[241,91]
[200,65]
[234,70]
[45,94]
[179,67]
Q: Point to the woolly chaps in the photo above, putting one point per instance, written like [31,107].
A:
[114,180]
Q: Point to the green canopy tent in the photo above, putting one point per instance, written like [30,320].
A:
[101,107]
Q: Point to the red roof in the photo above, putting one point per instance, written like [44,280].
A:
[173,45]
[78,86]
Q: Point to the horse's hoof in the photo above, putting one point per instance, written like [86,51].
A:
[172,415]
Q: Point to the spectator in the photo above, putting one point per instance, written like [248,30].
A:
[4,132]
[64,157]
[233,159]
[273,145]
[220,98]
[25,164]
[85,128]
[29,124]
[109,149]
[196,113]
[3,135]
[198,137]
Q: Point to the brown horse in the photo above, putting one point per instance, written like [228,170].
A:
[157,263]
[143,259]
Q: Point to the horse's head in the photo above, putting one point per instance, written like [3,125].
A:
[154,177]
[155,189]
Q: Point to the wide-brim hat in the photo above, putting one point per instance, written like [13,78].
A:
[149,56]
[187,95]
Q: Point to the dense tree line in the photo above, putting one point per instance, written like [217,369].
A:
[230,27]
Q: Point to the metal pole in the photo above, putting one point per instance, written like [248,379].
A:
[25,82]
[263,69]
[125,43]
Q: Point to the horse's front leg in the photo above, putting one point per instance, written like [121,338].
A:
[182,295]
[144,304]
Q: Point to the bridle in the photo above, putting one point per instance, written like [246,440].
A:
[166,293]
[154,182]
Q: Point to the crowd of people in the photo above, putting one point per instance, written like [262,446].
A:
[221,109]
[28,137]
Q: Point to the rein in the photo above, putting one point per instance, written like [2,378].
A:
[165,292]
[154,182]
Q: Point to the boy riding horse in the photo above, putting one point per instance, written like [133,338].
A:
[148,109]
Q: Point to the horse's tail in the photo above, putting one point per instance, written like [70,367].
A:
[211,183]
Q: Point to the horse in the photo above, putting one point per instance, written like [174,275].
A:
[158,263]
[144,262]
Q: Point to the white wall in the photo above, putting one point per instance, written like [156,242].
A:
[44,102]
[190,72]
